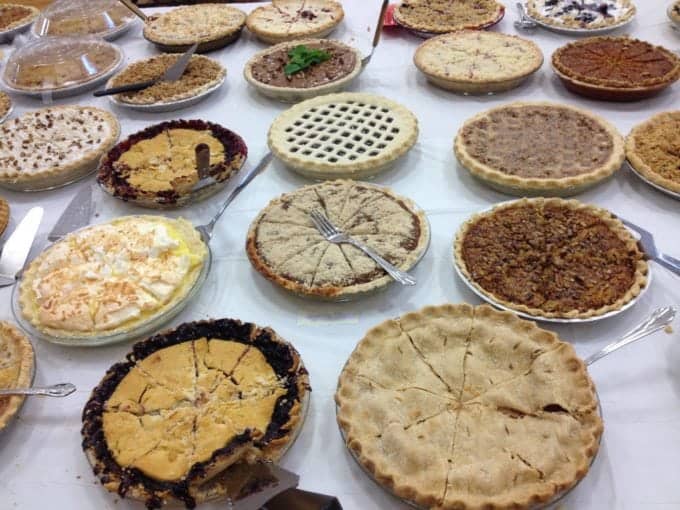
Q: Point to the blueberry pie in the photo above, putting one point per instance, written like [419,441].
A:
[579,14]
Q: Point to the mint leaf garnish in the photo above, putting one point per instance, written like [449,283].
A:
[301,57]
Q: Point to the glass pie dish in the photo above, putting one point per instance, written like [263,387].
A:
[103,18]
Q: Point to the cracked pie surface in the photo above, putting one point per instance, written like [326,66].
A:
[462,407]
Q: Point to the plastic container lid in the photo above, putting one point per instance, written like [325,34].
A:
[102,18]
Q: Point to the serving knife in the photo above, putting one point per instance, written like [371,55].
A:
[76,215]
[18,246]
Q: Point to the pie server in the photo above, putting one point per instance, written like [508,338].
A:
[18,246]
[76,215]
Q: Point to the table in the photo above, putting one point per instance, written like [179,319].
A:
[42,464]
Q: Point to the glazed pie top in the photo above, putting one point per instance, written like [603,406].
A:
[653,148]
[187,404]
[111,277]
[201,74]
[96,17]
[16,369]
[442,16]
[617,62]
[15,15]
[285,20]
[539,145]
[578,14]
[458,407]
[285,247]
[551,258]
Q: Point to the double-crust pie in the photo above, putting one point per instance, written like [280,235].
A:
[456,407]
[13,16]
[112,278]
[478,62]
[16,369]
[539,148]
[443,16]
[350,135]
[287,20]
[551,258]
[285,247]
[575,14]
[4,215]
[53,146]
[187,404]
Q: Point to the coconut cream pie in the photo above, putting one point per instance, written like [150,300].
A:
[578,14]
[443,16]
[16,369]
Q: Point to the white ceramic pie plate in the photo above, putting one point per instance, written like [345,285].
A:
[668,192]
[110,35]
[579,31]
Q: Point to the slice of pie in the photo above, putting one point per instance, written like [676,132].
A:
[4,215]
[576,14]
[539,148]
[13,16]
[284,246]
[54,146]
[456,407]
[17,366]
[478,62]
[552,258]
[187,404]
[287,20]
[443,16]
[157,167]
[653,150]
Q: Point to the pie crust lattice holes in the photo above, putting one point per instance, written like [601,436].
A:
[539,148]
[457,407]
[285,247]
[348,135]
[286,20]
[551,258]
[4,215]
[431,17]
[54,146]
[16,369]
[577,15]
[187,404]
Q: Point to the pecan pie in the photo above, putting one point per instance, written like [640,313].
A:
[16,369]
[576,14]
[187,404]
[15,15]
[285,247]
[456,407]
[539,148]
[4,215]
[615,68]
[443,16]
[551,258]
[157,166]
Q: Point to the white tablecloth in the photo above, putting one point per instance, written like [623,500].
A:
[638,467]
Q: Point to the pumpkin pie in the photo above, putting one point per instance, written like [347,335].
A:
[456,407]
[13,16]
[574,14]
[16,369]
[187,404]
[443,16]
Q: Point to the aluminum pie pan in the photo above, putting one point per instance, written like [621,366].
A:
[424,34]
[667,191]
[579,31]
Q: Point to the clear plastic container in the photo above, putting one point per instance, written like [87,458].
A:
[75,18]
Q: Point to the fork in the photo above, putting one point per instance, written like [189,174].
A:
[649,246]
[332,234]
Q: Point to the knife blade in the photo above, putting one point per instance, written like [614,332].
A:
[18,246]
[76,215]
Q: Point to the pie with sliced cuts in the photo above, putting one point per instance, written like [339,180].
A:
[431,17]
[458,407]
[188,404]
[551,258]
[13,16]
[575,14]
[17,365]
[284,246]
[539,148]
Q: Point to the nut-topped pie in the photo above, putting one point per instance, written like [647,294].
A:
[187,404]
[456,407]
[575,14]
[443,16]
[551,258]
[16,15]
[539,148]
[286,248]
[16,369]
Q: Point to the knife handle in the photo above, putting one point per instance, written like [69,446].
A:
[131,87]
[302,500]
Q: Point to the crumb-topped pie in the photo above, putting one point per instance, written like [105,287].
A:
[615,68]
[158,166]
[287,20]
[551,258]
[456,407]
[576,14]
[431,17]
[17,366]
[285,247]
[111,278]
[14,16]
[350,135]
[74,18]
[187,404]
[54,146]
[653,150]
[478,62]
[4,215]
[539,148]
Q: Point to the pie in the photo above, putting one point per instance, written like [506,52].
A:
[443,16]
[113,277]
[213,26]
[653,150]
[202,74]
[13,16]
[350,135]
[102,18]
[539,148]
[4,215]
[551,258]
[674,12]
[284,246]
[576,14]
[478,62]
[456,407]
[287,20]
[615,68]
[54,146]
[157,166]
[5,105]
[16,369]
[187,404]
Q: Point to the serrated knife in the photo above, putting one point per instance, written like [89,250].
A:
[76,215]
[18,246]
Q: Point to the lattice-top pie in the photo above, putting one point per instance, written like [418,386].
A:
[15,15]
[457,407]
[16,369]
[581,15]
[343,135]
[187,404]
[285,247]
[443,16]
[551,258]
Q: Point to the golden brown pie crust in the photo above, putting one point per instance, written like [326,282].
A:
[16,369]
[444,16]
[4,215]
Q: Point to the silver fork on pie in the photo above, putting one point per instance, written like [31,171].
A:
[334,235]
